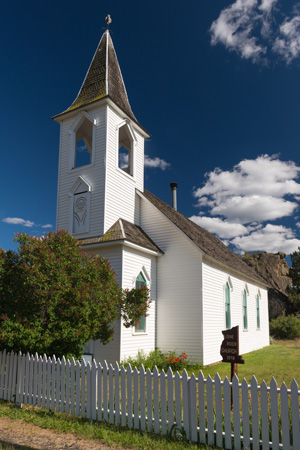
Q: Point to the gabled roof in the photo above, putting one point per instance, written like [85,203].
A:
[206,241]
[103,79]
[122,230]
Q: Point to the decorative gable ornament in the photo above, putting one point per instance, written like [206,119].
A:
[80,206]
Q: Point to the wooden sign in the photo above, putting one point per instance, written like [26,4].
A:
[230,347]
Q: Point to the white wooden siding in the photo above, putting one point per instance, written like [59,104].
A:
[133,263]
[120,194]
[111,351]
[93,174]
[179,313]
[214,280]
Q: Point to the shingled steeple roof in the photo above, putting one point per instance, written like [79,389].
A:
[103,79]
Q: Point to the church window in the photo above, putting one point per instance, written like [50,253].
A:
[227,306]
[82,131]
[84,141]
[245,312]
[125,149]
[141,325]
[257,313]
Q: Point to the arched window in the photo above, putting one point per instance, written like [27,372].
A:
[141,325]
[84,143]
[81,139]
[257,313]
[126,141]
[245,313]
[227,306]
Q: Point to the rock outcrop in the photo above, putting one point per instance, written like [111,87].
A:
[275,270]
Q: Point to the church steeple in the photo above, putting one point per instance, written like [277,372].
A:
[103,80]
[101,162]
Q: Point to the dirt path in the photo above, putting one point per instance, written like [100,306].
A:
[20,433]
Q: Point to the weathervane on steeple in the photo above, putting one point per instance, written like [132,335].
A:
[108,21]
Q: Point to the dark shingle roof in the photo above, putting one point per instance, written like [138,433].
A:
[206,241]
[122,230]
[103,79]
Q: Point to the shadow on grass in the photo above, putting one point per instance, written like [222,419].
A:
[8,446]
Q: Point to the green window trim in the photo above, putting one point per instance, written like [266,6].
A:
[227,307]
[141,325]
[257,313]
[245,312]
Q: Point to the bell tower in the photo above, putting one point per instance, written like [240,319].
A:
[101,154]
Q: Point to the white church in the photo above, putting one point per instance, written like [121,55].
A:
[198,286]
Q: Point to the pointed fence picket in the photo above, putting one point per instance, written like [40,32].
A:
[136,399]
[93,391]
[163,403]
[149,400]
[99,392]
[156,400]
[245,414]
[142,398]
[295,414]
[222,413]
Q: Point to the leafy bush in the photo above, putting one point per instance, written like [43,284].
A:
[285,327]
[159,359]
[53,298]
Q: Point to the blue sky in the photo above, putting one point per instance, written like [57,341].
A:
[216,83]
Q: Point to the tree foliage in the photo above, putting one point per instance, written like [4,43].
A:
[294,289]
[54,298]
[285,327]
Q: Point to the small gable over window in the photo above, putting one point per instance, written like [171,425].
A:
[126,148]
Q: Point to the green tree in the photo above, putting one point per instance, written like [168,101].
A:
[294,289]
[54,298]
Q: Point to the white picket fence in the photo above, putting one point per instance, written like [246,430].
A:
[200,409]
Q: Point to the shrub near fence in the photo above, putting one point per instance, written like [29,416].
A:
[200,409]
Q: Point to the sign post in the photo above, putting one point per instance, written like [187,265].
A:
[230,350]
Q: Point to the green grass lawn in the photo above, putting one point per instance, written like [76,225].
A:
[281,360]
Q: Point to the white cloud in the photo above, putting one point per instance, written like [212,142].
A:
[18,221]
[246,198]
[235,26]
[156,163]
[253,191]
[249,28]
[24,223]
[254,208]
[220,227]
[82,148]
[271,238]
[287,44]
[123,160]
[267,5]
[152,163]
